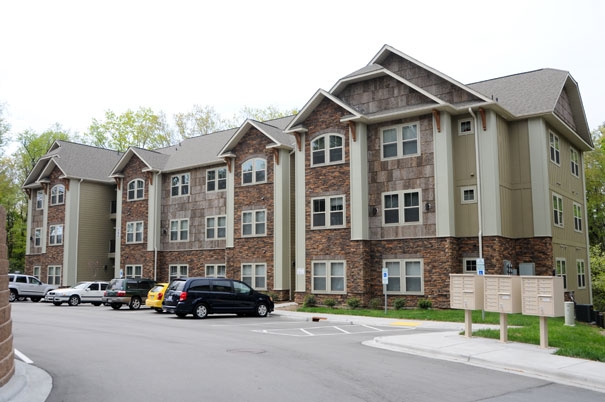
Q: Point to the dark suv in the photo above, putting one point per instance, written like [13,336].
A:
[130,291]
[203,296]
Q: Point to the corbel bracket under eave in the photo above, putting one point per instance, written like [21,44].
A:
[276,155]
[118,181]
[437,117]
[483,120]
[353,131]
[297,137]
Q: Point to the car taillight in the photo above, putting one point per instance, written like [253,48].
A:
[183,296]
[160,296]
[105,294]
[121,293]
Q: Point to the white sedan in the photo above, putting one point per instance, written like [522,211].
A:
[83,292]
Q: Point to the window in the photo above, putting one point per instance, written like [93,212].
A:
[216,179]
[55,235]
[179,185]
[39,199]
[54,275]
[57,195]
[179,230]
[216,271]
[255,275]
[557,210]
[465,126]
[178,271]
[575,162]
[577,217]
[327,149]
[397,212]
[136,190]
[36,272]
[400,141]
[134,271]
[216,227]
[254,171]
[134,232]
[467,195]
[328,212]
[329,276]
[555,149]
[561,270]
[405,276]
[253,223]
[581,274]
[37,237]
[469,265]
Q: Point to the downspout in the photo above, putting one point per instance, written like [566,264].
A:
[156,234]
[478,168]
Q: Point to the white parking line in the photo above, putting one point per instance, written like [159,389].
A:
[23,358]
[325,330]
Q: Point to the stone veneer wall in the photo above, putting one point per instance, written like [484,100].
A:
[7,359]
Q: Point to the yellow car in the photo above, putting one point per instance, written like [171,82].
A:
[155,297]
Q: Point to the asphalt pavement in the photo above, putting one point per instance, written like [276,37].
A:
[32,384]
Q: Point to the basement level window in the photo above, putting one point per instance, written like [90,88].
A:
[465,126]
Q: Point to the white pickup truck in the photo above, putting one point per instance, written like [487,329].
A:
[23,286]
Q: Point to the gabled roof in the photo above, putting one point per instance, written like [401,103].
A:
[317,98]
[273,129]
[76,161]
[153,160]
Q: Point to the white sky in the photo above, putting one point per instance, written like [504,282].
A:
[68,62]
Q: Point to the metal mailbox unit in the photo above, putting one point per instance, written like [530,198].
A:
[503,295]
[466,293]
[543,296]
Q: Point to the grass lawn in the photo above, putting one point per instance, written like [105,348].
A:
[582,340]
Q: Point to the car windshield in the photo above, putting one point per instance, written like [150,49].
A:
[157,289]
[116,284]
[81,285]
[177,285]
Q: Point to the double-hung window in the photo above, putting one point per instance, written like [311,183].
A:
[134,232]
[557,210]
[561,270]
[39,199]
[57,195]
[36,272]
[327,149]
[136,189]
[405,276]
[575,162]
[216,271]
[254,171]
[400,141]
[577,217]
[134,271]
[216,227]
[55,235]
[178,271]
[37,237]
[216,179]
[54,275]
[255,275]
[401,207]
[179,185]
[555,148]
[328,212]
[328,276]
[581,274]
[254,223]
[179,230]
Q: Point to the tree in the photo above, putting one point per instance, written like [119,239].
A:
[199,121]
[32,146]
[595,188]
[597,276]
[4,127]
[142,128]
[268,113]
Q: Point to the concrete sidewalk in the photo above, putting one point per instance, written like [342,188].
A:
[28,384]
[448,344]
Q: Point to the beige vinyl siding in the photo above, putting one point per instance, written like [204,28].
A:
[96,229]
[464,175]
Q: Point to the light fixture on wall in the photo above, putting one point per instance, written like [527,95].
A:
[164,231]
[427,206]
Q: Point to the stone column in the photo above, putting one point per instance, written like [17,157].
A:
[7,359]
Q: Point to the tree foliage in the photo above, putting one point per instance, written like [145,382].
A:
[141,128]
[32,146]
[268,113]
[4,127]
[597,276]
[199,121]
[595,188]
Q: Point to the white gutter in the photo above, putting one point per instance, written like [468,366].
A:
[478,167]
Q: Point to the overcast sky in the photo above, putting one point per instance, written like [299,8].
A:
[68,62]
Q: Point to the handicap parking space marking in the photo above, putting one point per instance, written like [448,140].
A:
[328,330]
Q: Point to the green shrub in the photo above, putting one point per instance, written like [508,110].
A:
[330,303]
[425,304]
[399,303]
[375,303]
[309,301]
[353,302]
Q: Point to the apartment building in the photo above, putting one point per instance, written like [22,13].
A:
[397,166]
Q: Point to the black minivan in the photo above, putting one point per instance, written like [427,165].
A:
[203,296]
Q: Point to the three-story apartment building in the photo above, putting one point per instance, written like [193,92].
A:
[398,166]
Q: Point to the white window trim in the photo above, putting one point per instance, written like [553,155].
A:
[554,142]
[54,198]
[253,161]
[135,182]
[582,273]
[216,179]
[215,267]
[401,207]
[466,188]
[574,165]
[54,242]
[561,272]
[55,269]
[327,149]
[464,265]
[253,223]
[469,120]
[134,232]
[40,199]
[36,271]
[38,237]
[182,271]
[216,227]
[328,277]
[254,275]
[577,219]
[399,130]
[180,185]
[402,282]
[327,200]
[133,269]
[560,213]
[179,231]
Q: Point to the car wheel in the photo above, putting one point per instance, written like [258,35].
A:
[35,299]
[200,311]
[262,310]
[74,300]
[135,303]
[97,304]
[116,306]
[57,303]
[181,315]
[13,295]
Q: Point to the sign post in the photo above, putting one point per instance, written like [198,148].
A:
[385,282]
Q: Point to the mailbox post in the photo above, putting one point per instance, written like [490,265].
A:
[503,295]
[466,292]
[542,296]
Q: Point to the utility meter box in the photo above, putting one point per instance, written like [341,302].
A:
[502,294]
[466,291]
[542,296]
